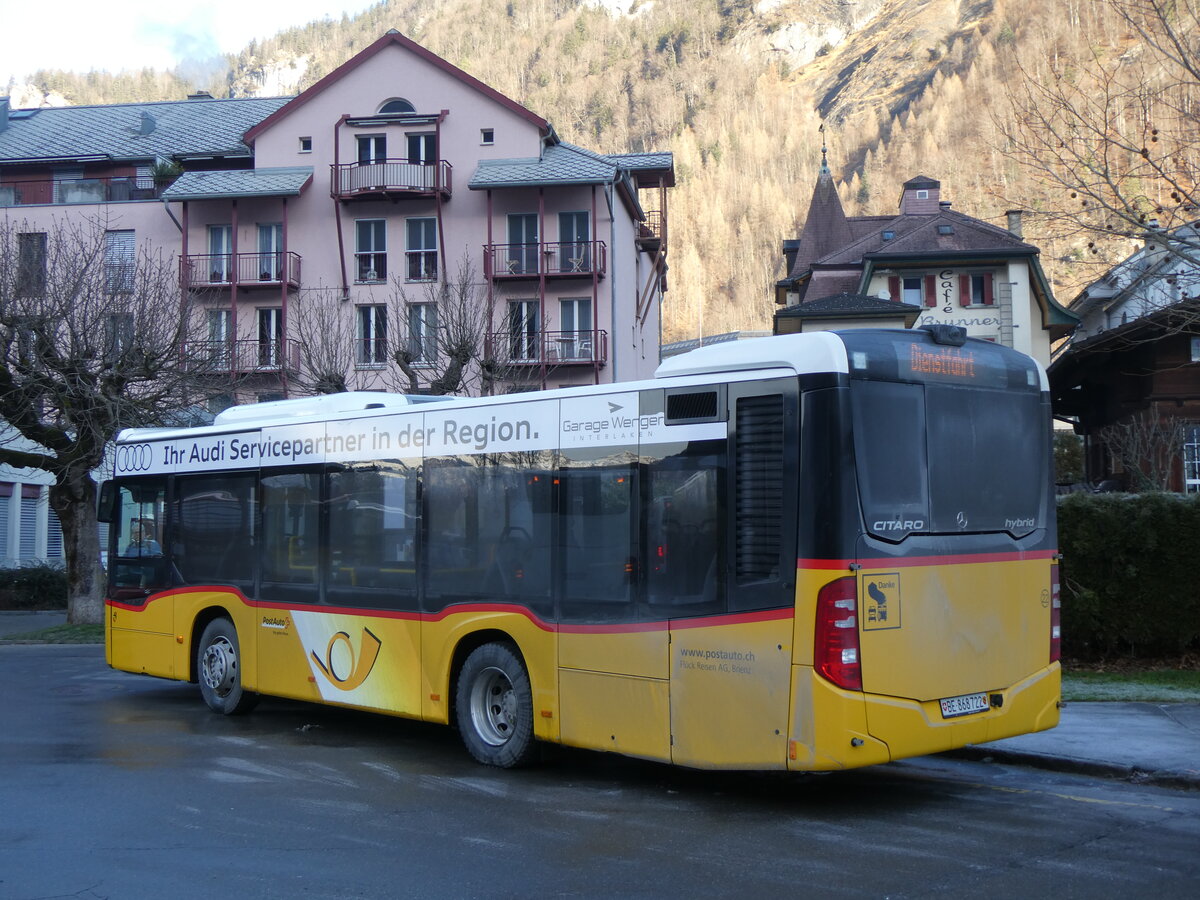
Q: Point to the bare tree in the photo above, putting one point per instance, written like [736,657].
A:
[1147,447]
[329,346]
[442,341]
[92,333]
[1111,138]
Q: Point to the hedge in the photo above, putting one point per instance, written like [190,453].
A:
[33,587]
[1130,574]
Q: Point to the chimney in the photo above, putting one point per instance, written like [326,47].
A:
[1014,223]
[921,196]
[790,249]
[200,95]
[3,113]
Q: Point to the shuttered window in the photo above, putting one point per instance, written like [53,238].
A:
[29,506]
[119,261]
[54,536]
[759,487]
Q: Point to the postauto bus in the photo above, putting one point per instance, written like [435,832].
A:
[804,552]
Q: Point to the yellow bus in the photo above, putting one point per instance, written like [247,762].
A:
[806,552]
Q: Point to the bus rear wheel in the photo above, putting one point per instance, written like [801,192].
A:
[494,707]
[219,670]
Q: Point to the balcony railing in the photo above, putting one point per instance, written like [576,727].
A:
[562,259]
[108,189]
[390,177]
[220,270]
[242,357]
[554,348]
[651,230]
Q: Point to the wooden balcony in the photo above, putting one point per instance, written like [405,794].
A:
[554,348]
[527,262]
[207,271]
[390,179]
[64,191]
[242,357]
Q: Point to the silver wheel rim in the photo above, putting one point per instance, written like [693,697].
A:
[493,706]
[218,666]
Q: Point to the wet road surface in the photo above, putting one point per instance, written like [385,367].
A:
[114,785]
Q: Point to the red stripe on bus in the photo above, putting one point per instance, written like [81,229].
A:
[765,615]
[960,559]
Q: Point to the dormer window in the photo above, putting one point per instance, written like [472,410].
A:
[922,195]
[397,105]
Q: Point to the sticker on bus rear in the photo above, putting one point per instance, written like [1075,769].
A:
[880,601]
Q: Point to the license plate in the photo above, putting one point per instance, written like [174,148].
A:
[964,705]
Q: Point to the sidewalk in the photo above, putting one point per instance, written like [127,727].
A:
[1147,743]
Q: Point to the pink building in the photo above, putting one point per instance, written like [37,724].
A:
[396,175]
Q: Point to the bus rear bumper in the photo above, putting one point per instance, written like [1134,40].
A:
[836,729]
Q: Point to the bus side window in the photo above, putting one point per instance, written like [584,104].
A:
[291,505]
[684,530]
[214,529]
[597,539]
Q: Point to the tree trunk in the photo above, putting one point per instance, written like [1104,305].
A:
[73,497]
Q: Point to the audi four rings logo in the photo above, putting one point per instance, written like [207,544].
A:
[134,458]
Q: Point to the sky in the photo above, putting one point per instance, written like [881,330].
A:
[80,35]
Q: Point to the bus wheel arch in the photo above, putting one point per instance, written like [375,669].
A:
[218,660]
[493,702]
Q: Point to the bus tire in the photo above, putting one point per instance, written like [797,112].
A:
[494,707]
[219,670]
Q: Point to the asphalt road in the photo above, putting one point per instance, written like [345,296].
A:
[114,785]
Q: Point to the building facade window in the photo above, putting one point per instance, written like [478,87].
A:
[421,249]
[1191,461]
[270,337]
[912,290]
[422,332]
[220,253]
[422,149]
[523,329]
[119,261]
[372,148]
[306,145]
[976,289]
[31,264]
[372,336]
[118,334]
[371,249]
[397,105]
[487,136]
[575,340]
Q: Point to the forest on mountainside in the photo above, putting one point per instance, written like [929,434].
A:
[737,90]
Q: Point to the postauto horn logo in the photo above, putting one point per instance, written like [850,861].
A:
[134,458]
[344,669]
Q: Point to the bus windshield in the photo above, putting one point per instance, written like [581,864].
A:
[939,459]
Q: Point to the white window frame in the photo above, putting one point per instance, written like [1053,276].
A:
[422,332]
[371,351]
[420,249]
[120,260]
[370,255]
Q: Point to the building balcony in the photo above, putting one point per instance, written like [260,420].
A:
[650,232]
[248,270]
[242,357]
[553,348]
[390,179]
[110,189]
[526,262]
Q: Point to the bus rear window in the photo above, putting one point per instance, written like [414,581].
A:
[942,459]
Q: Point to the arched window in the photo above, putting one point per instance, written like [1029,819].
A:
[397,105]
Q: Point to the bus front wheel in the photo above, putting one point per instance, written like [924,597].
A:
[494,706]
[218,668]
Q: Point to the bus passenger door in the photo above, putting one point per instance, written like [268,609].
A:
[613,667]
[723,523]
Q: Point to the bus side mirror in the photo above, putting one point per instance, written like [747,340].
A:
[106,507]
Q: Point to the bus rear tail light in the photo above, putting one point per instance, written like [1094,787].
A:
[835,649]
[1055,617]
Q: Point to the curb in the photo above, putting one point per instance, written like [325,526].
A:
[1176,779]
